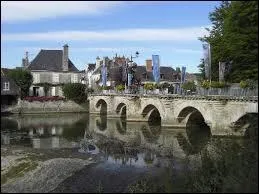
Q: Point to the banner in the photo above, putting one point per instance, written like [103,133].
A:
[222,70]
[104,72]
[124,72]
[130,79]
[156,68]
[206,54]
[183,73]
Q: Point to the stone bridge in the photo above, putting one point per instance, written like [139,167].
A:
[221,114]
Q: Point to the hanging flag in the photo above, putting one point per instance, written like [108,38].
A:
[183,73]
[222,70]
[206,54]
[104,72]
[124,72]
[156,68]
[130,79]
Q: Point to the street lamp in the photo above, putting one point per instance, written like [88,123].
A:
[130,66]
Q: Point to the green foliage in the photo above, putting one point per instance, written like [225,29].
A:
[105,88]
[205,84]
[120,87]
[75,92]
[149,86]
[189,86]
[234,38]
[201,67]
[23,79]
[247,84]
[215,84]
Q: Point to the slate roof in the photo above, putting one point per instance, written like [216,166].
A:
[142,74]
[91,66]
[167,72]
[50,60]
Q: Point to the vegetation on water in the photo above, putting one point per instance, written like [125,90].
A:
[18,171]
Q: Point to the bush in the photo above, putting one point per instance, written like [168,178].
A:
[215,84]
[149,86]
[120,87]
[75,92]
[247,84]
[205,84]
[189,86]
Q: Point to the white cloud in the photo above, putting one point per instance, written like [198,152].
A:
[189,51]
[138,34]
[12,11]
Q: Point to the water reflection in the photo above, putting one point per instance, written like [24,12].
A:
[44,131]
[141,144]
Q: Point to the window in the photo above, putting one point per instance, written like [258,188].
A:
[162,76]
[6,86]
[74,78]
[36,78]
[55,77]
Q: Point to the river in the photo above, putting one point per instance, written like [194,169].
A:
[83,153]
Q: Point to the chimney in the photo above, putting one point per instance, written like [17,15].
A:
[149,65]
[65,58]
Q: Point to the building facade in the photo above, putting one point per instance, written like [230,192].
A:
[53,67]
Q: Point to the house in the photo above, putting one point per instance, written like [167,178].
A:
[53,67]
[9,90]
[94,70]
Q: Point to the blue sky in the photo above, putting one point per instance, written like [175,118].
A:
[91,29]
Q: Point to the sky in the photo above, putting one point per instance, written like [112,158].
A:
[169,29]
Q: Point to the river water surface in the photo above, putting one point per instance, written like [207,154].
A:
[134,156]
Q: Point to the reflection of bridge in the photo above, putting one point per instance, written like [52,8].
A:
[219,113]
[164,142]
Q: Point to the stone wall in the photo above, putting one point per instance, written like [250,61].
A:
[26,107]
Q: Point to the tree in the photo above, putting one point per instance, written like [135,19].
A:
[23,79]
[75,92]
[234,38]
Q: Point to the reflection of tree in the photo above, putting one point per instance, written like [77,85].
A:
[8,124]
[102,124]
[76,129]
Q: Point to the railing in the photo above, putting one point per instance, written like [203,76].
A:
[236,92]
[186,95]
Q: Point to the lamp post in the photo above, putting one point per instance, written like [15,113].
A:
[130,65]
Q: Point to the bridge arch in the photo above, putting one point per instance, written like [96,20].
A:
[102,105]
[152,114]
[121,110]
[247,124]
